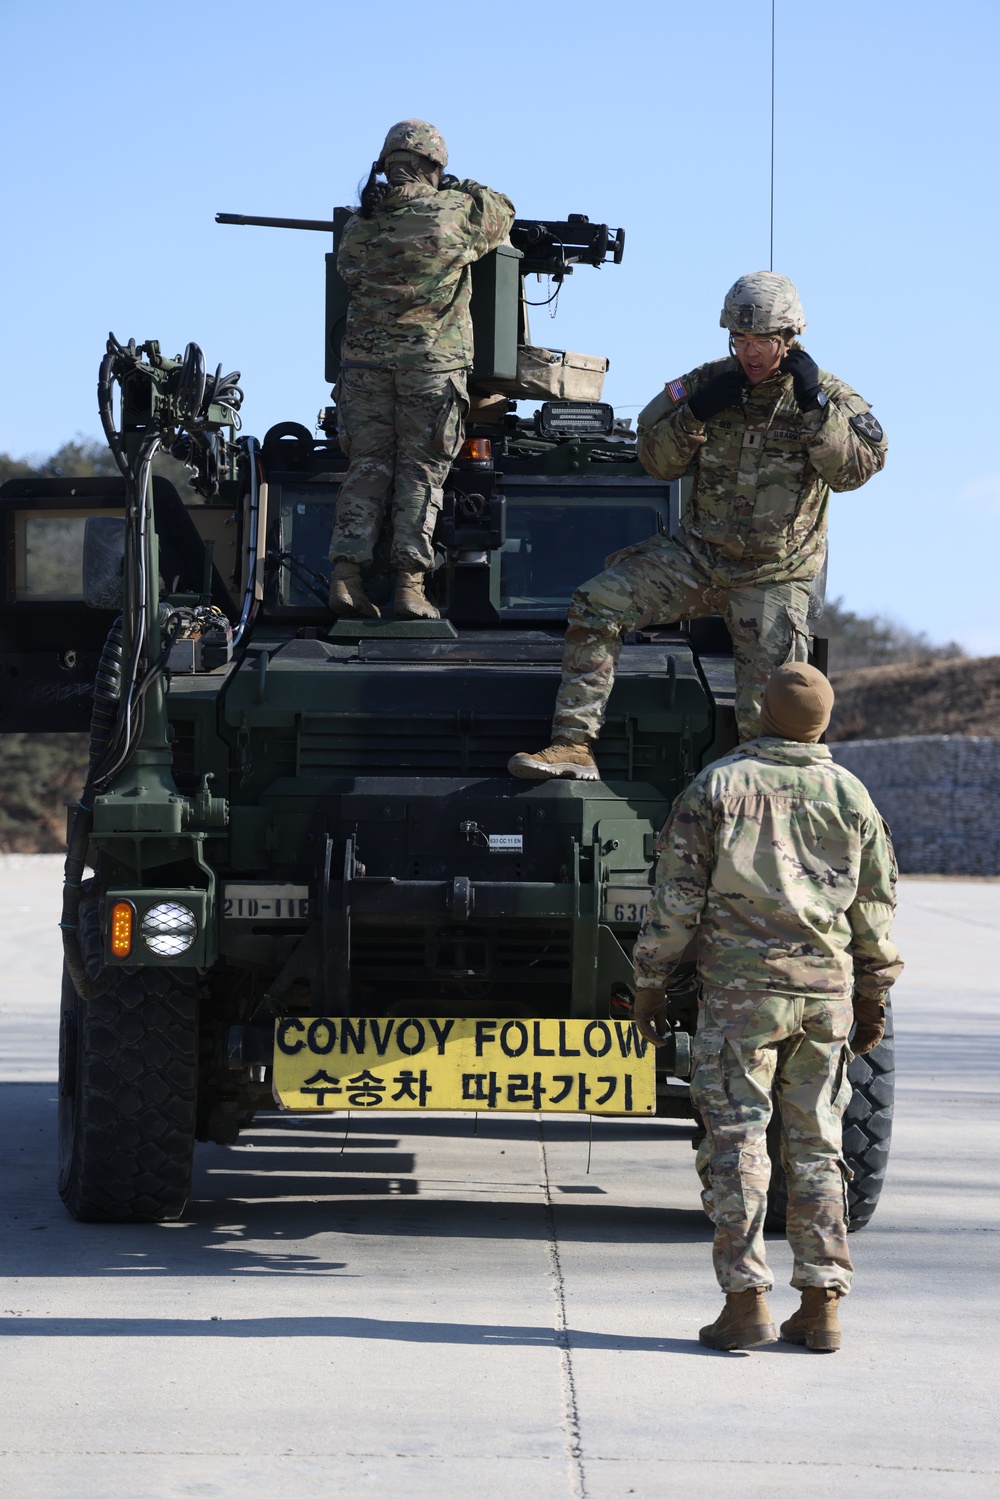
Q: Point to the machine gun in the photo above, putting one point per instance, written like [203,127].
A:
[545,247]
[549,247]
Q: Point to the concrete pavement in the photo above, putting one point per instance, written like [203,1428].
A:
[427,1306]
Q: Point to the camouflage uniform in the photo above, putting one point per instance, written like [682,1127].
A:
[753,536]
[777,857]
[402,398]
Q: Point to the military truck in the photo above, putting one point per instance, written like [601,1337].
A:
[299,873]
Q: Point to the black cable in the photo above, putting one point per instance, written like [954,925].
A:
[228,392]
[211,388]
[191,381]
[317,583]
[105,402]
[128,726]
[548,300]
[248,612]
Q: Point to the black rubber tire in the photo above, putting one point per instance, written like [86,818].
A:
[867,1136]
[127,1090]
[868,1125]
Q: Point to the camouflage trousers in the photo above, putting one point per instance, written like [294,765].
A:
[401,430]
[749,1048]
[656,582]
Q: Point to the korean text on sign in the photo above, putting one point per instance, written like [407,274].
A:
[571,1066]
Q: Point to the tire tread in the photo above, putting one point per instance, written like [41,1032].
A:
[128,1155]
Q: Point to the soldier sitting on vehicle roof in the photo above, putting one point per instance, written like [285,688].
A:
[769,435]
[406,257]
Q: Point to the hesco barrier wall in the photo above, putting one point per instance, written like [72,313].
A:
[940,795]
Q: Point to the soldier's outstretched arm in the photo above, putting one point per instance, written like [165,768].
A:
[685,852]
[491,215]
[877,964]
[846,442]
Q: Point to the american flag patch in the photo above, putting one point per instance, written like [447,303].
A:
[677,390]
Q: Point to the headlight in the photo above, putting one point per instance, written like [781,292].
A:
[169,929]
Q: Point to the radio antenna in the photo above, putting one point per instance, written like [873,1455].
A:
[771,265]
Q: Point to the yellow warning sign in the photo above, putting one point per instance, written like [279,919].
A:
[562,1066]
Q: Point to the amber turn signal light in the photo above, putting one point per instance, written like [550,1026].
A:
[122,916]
[476,450]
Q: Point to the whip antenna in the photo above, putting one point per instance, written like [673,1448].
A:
[771,265]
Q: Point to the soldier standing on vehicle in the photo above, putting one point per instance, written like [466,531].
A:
[776,857]
[406,257]
[769,435]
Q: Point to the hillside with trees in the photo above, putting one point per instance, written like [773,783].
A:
[959,697]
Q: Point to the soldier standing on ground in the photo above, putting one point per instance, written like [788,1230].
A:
[769,435]
[406,257]
[778,860]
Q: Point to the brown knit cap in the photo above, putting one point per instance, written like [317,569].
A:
[798,701]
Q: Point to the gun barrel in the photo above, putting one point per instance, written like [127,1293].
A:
[325,225]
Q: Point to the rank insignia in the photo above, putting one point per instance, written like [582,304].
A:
[677,390]
[867,427]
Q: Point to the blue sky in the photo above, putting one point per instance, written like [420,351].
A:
[127,127]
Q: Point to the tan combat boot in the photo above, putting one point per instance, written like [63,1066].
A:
[571,762]
[744,1322]
[816,1324]
[411,601]
[347,596]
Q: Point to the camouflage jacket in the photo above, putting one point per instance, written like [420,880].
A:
[763,471]
[408,272]
[779,859]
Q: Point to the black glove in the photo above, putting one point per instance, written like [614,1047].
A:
[869,1023]
[650,1015]
[448,180]
[805,378]
[724,391]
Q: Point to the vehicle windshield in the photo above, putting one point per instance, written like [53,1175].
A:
[557,540]
[307,512]
[558,535]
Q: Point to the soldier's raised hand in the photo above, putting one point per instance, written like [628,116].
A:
[718,395]
[650,1015]
[805,377]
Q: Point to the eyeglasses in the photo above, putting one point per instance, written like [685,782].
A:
[742,343]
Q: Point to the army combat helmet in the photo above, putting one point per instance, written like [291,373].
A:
[416,136]
[762,303]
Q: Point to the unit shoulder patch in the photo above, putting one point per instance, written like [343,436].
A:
[677,390]
[866,426]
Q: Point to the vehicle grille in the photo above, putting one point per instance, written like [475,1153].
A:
[458,743]
[453,744]
[527,954]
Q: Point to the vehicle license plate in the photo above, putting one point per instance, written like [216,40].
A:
[558,1066]
[626,905]
[260,902]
